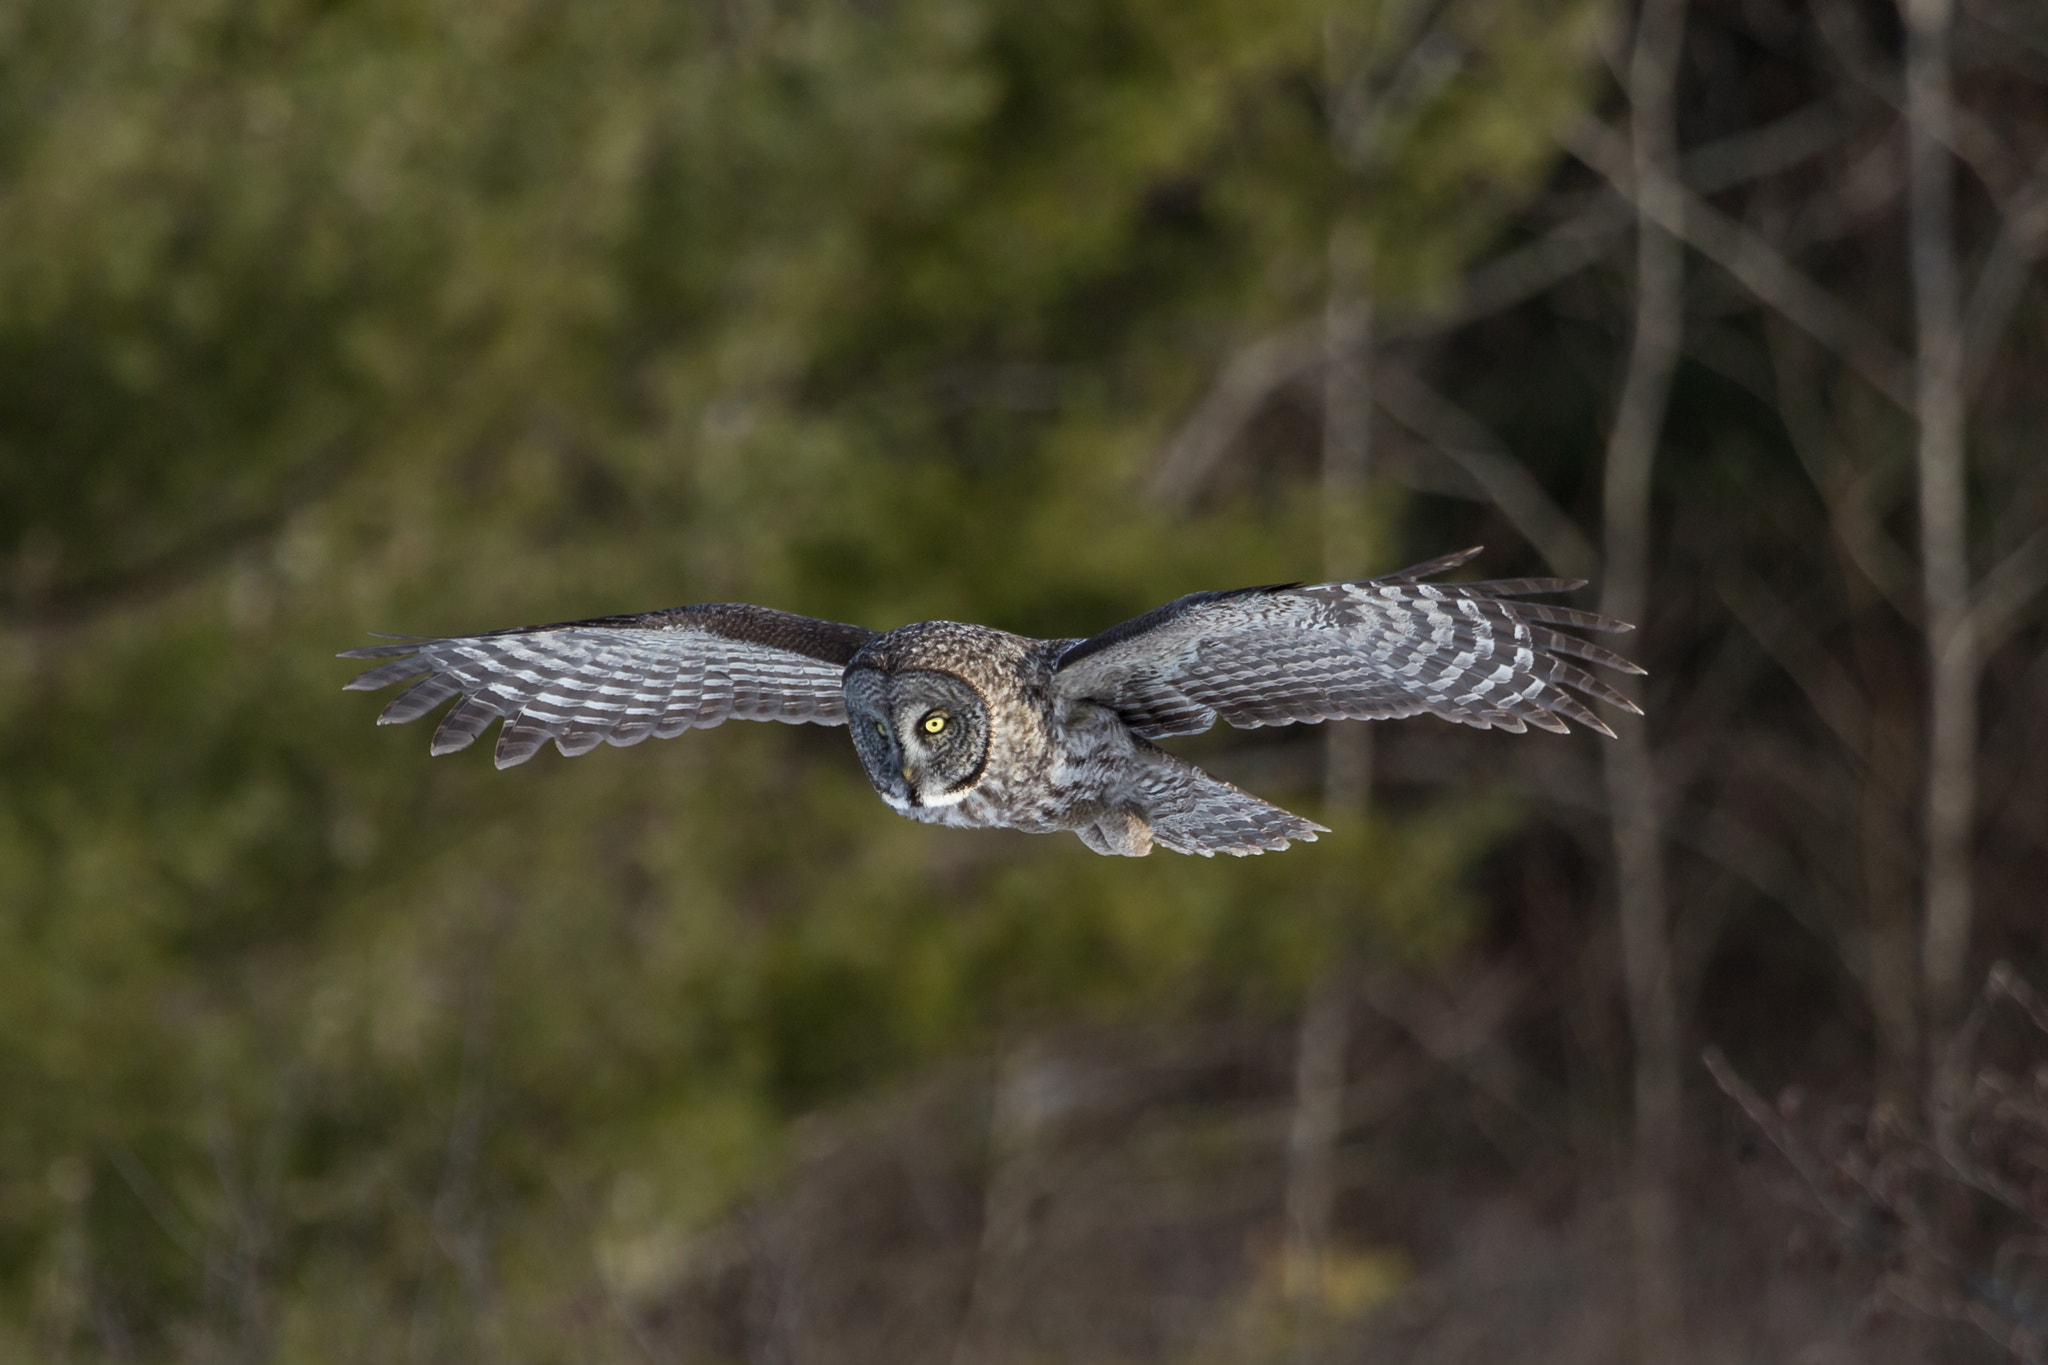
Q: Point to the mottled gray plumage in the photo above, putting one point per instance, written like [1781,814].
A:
[969,726]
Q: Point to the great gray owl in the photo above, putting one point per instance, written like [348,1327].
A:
[969,726]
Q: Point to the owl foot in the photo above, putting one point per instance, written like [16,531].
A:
[1119,833]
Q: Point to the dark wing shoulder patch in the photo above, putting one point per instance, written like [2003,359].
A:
[826,641]
[1158,617]
[619,679]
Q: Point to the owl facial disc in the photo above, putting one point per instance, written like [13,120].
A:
[921,735]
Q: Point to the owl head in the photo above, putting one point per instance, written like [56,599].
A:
[922,734]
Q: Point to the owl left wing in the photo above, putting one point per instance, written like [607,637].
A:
[619,679]
[1371,650]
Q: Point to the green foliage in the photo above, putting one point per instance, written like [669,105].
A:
[325,318]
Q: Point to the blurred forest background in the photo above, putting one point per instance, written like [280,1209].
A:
[319,317]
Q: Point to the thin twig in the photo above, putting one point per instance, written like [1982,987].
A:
[2022,237]
[1803,1162]
[1814,669]
[68,603]
[2003,595]
[1504,481]
[1755,264]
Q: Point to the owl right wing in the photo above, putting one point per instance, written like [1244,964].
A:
[619,679]
[1369,650]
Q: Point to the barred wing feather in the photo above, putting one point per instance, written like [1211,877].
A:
[1370,650]
[619,679]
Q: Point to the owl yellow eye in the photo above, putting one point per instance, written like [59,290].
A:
[934,722]
[881,729]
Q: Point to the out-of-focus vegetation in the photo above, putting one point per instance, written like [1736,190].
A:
[318,319]
[324,318]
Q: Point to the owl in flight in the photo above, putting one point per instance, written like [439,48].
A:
[969,726]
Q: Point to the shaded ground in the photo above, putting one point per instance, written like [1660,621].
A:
[1113,1196]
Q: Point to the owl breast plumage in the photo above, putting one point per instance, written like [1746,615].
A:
[966,725]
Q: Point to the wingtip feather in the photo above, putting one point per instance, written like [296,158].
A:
[1430,568]
[408,644]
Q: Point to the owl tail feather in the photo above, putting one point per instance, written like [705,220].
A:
[1197,813]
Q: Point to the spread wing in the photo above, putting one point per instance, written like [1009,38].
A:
[619,679]
[1370,650]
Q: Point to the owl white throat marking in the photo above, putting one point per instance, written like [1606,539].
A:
[973,727]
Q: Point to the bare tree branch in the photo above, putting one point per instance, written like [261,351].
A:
[1776,146]
[68,603]
[1361,102]
[1967,137]
[1755,264]
[1031,1089]
[1813,668]
[1948,1092]
[1263,367]
[1318,1112]
[2018,21]
[1591,234]
[1877,1192]
[1850,492]
[2022,237]
[1259,370]
[2003,595]
[1464,1036]
[1952,653]
[1522,273]
[1633,793]
[1504,481]
[1802,1162]
[1347,452]
[1253,375]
